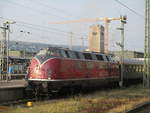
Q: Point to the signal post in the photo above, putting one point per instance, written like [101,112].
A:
[123,21]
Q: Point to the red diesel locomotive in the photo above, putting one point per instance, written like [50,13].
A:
[55,68]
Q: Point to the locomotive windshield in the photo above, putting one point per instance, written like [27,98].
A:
[48,52]
[45,54]
[42,52]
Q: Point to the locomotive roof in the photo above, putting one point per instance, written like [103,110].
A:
[67,53]
[61,48]
[91,56]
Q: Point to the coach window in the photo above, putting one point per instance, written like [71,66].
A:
[87,56]
[141,68]
[130,67]
[138,68]
[127,68]
[134,68]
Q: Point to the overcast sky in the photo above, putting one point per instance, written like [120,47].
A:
[42,12]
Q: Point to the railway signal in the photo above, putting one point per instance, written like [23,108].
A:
[123,21]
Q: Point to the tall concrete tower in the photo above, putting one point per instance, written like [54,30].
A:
[96,38]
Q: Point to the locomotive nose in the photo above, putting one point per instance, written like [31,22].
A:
[37,73]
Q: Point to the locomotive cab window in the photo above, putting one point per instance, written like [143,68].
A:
[67,54]
[42,52]
[53,52]
[49,52]
[63,53]
[72,54]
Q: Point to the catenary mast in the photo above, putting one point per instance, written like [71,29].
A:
[146,75]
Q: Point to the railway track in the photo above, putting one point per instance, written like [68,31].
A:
[57,97]
[143,108]
[42,97]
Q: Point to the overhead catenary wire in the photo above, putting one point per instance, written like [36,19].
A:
[47,36]
[130,9]
[48,31]
[34,10]
[44,37]
[51,7]
[40,27]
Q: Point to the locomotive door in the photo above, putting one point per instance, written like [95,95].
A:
[109,69]
[111,72]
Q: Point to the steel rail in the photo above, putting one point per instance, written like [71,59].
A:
[139,108]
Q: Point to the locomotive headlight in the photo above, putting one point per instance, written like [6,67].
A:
[38,72]
[49,72]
